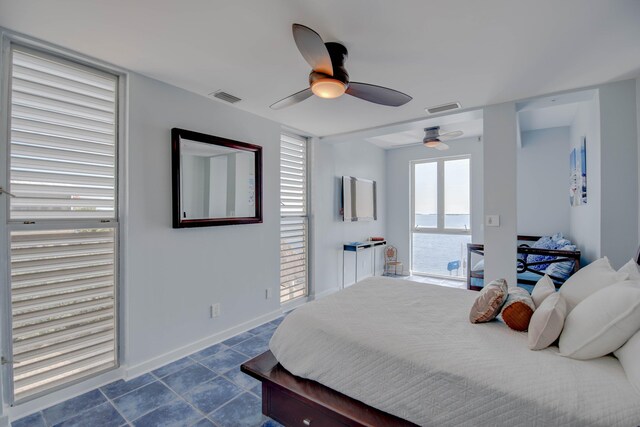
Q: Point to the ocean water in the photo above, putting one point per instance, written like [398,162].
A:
[433,252]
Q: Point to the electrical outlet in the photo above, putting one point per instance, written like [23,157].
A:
[215,310]
[267,293]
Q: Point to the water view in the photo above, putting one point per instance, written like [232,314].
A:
[435,253]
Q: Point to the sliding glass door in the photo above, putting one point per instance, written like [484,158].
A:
[440,216]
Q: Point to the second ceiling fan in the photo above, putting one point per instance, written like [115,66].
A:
[329,78]
[433,138]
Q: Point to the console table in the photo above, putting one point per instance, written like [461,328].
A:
[357,248]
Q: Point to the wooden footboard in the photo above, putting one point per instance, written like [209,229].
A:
[295,401]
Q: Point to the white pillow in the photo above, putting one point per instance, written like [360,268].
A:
[632,269]
[542,290]
[547,322]
[602,323]
[588,280]
[629,357]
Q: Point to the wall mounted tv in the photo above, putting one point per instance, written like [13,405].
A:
[358,199]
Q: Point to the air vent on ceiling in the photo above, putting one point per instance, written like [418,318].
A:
[442,108]
[225,96]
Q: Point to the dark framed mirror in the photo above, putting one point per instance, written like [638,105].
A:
[216,181]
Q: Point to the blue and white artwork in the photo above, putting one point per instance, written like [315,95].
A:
[578,174]
[583,169]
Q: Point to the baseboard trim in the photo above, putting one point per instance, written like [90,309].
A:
[324,293]
[173,355]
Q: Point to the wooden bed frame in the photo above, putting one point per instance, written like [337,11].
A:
[295,401]
[522,265]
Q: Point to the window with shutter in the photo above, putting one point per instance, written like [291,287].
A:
[62,221]
[294,236]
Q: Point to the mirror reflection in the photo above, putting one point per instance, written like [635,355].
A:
[216,181]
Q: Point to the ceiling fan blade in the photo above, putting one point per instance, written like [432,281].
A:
[312,48]
[442,146]
[378,94]
[292,99]
[450,135]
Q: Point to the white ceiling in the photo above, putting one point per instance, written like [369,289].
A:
[475,52]
[551,111]
[401,135]
[546,118]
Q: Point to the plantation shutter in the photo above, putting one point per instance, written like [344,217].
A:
[62,221]
[63,119]
[294,220]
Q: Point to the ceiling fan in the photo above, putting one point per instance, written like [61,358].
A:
[433,138]
[329,78]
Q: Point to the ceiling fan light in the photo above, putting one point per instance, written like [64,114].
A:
[328,88]
[432,143]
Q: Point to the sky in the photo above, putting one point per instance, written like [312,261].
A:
[456,183]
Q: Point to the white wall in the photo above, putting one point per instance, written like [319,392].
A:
[543,206]
[331,161]
[619,171]
[500,196]
[171,276]
[638,132]
[398,161]
[585,220]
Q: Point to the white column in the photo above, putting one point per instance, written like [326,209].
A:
[500,198]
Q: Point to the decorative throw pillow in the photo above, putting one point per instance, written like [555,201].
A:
[588,280]
[628,355]
[547,322]
[632,269]
[542,290]
[602,323]
[518,309]
[560,240]
[562,270]
[487,305]
[545,242]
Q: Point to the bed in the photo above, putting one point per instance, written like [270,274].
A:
[394,352]
[528,275]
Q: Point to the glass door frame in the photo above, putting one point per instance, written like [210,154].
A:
[440,228]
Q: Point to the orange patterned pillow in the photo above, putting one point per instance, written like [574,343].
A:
[518,309]
[487,305]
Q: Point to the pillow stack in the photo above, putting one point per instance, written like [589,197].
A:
[603,315]
[561,270]
[595,313]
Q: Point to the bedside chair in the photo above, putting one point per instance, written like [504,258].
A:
[391,262]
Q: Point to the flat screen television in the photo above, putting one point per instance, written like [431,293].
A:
[358,199]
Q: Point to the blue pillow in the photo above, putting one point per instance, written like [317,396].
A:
[545,242]
[562,270]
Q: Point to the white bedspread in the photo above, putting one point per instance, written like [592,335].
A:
[408,349]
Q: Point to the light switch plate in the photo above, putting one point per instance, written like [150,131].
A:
[492,220]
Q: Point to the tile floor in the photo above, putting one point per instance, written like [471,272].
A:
[203,389]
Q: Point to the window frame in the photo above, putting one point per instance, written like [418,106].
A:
[8,42]
[440,228]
